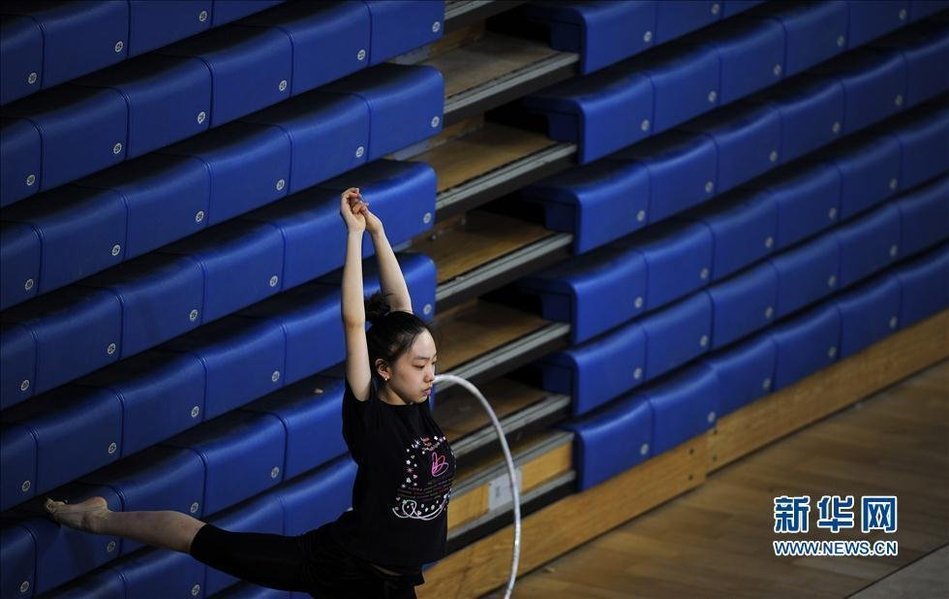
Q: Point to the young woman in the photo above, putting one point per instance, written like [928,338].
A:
[405,466]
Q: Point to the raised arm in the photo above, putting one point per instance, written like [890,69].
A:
[352,307]
[390,273]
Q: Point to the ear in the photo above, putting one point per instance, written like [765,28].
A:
[383,370]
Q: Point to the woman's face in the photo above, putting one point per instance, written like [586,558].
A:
[413,373]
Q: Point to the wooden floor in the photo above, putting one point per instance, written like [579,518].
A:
[715,541]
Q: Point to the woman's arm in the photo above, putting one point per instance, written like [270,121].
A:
[352,306]
[390,273]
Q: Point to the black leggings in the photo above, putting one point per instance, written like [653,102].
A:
[312,563]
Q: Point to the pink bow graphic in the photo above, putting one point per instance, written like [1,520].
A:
[439,464]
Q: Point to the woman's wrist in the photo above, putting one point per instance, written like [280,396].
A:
[379,233]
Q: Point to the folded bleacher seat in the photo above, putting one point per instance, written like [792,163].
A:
[18,355]
[870,20]
[62,553]
[243,359]
[398,27]
[159,478]
[330,39]
[262,515]
[21,57]
[21,156]
[20,255]
[66,118]
[676,19]
[406,104]
[924,142]
[684,405]
[925,48]
[318,496]
[18,476]
[156,24]
[869,244]
[168,99]
[160,573]
[812,114]
[682,171]
[76,331]
[249,166]
[868,313]
[162,296]
[243,454]
[805,344]
[686,82]
[18,551]
[807,201]
[677,334]
[743,304]
[678,257]
[242,263]
[925,286]
[161,394]
[612,440]
[251,68]
[814,32]
[869,171]
[328,134]
[807,273]
[225,11]
[924,214]
[311,412]
[75,429]
[874,86]
[102,584]
[745,372]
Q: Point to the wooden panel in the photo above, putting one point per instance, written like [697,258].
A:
[466,158]
[460,416]
[474,329]
[476,240]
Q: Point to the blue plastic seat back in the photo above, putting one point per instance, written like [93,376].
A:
[21,155]
[20,255]
[318,496]
[18,551]
[160,573]
[925,286]
[745,372]
[807,273]
[676,19]
[104,584]
[812,114]
[398,27]
[874,86]
[683,406]
[18,472]
[807,201]
[751,54]
[678,258]
[18,375]
[677,334]
[868,313]
[156,24]
[869,171]
[687,83]
[21,57]
[924,140]
[743,304]
[225,11]
[813,32]
[870,20]
[923,217]
[806,344]
[869,244]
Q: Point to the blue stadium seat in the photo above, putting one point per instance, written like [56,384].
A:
[18,475]
[678,257]
[398,27]
[682,170]
[242,263]
[805,344]
[686,82]
[81,231]
[748,141]
[924,141]
[243,360]
[743,304]
[573,200]
[76,331]
[102,584]
[330,40]
[869,171]
[868,313]
[243,454]
[870,20]
[67,118]
[812,114]
[166,198]
[586,290]
[807,273]
[677,334]
[924,214]
[251,67]
[21,57]
[807,201]
[78,37]
[814,32]
[168,99]
[159,478]
[925,286]
[225,11]
[318,496]
[683,406]
[161,394]
[676,19]
[599,370]
[926,50]
[311,413]
[249,167]
[406,104]
[329,135]
[18,562]
[868,244]
[261,515]
[162,296]
[743,226]
[156,24]
[20,253]
[21,155]
[612,440]
[18,355]
[161,573]
[84,424]
[745,372]
[874,86]
[62,553]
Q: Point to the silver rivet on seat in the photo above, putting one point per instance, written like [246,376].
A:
[195,506]
[903,14]
[193,315]
[841,40]
[118,46]
[111,349]
[32,78]
[712,96]
[281,183]
[28,284]
[275,376]
[644,449]
[360,151]
[427,218]
[25,487]
[709,186]
[894,183]
[427,309]
[199,216]
[196,590]
[30,180]
[282,86]
[436,27]
[832,351]
[894,322]
[195,411]
[275,472]
[769,242]
[898,100]
[832,213]
[638,373]
[646,125]
[894,250]
[773,156]
[110,547]
[113,448]
[25,587]
[766,384]
[777,70]
[647,37]
[274,280]
[203,16]
[768,312]
[831,280]
[641,215]
[835,127]
[704,341]
[704,274]
[638,302]
[361,55]
[436,120]
[710,417]
[117,148]
[24,384]
[716,8]
[116,249]
[201,116]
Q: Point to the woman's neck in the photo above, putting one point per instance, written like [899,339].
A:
[390,397]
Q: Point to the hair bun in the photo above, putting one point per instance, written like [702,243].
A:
[377,307]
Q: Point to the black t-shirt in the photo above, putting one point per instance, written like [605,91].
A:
[403,483]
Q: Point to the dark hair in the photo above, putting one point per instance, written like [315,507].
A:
[392,332]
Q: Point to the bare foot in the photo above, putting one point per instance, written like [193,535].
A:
[86,515]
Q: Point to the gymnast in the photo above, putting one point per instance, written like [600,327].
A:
[405,466]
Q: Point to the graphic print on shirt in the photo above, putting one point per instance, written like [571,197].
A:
[424,491]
